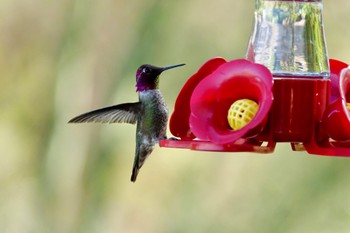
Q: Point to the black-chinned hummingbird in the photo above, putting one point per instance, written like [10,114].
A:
[150,114]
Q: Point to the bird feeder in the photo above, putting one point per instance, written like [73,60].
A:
[286,90]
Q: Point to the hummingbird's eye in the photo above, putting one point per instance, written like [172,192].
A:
[146,70]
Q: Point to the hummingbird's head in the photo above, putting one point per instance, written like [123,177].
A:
[147,76]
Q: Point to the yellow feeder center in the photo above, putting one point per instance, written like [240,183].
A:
[348,106]
[241,113]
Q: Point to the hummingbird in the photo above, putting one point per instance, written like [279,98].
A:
[150,113]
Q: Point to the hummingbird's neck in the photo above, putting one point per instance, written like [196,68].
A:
[144,85]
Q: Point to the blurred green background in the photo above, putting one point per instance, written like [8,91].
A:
[62,58]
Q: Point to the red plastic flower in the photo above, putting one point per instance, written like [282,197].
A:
[202,106]
[336,119]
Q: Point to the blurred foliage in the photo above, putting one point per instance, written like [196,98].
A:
[62,58]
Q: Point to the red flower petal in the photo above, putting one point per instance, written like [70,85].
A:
[336,67]
[179,121]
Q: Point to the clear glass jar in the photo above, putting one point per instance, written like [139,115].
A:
[288,38]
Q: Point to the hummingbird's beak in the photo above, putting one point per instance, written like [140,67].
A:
[170,67]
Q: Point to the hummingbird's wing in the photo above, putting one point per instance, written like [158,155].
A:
[121,113]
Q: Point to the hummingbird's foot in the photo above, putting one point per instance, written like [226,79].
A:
[174,139]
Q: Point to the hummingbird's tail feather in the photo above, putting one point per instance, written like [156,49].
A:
[135,172]
[121,113]
[142,153]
